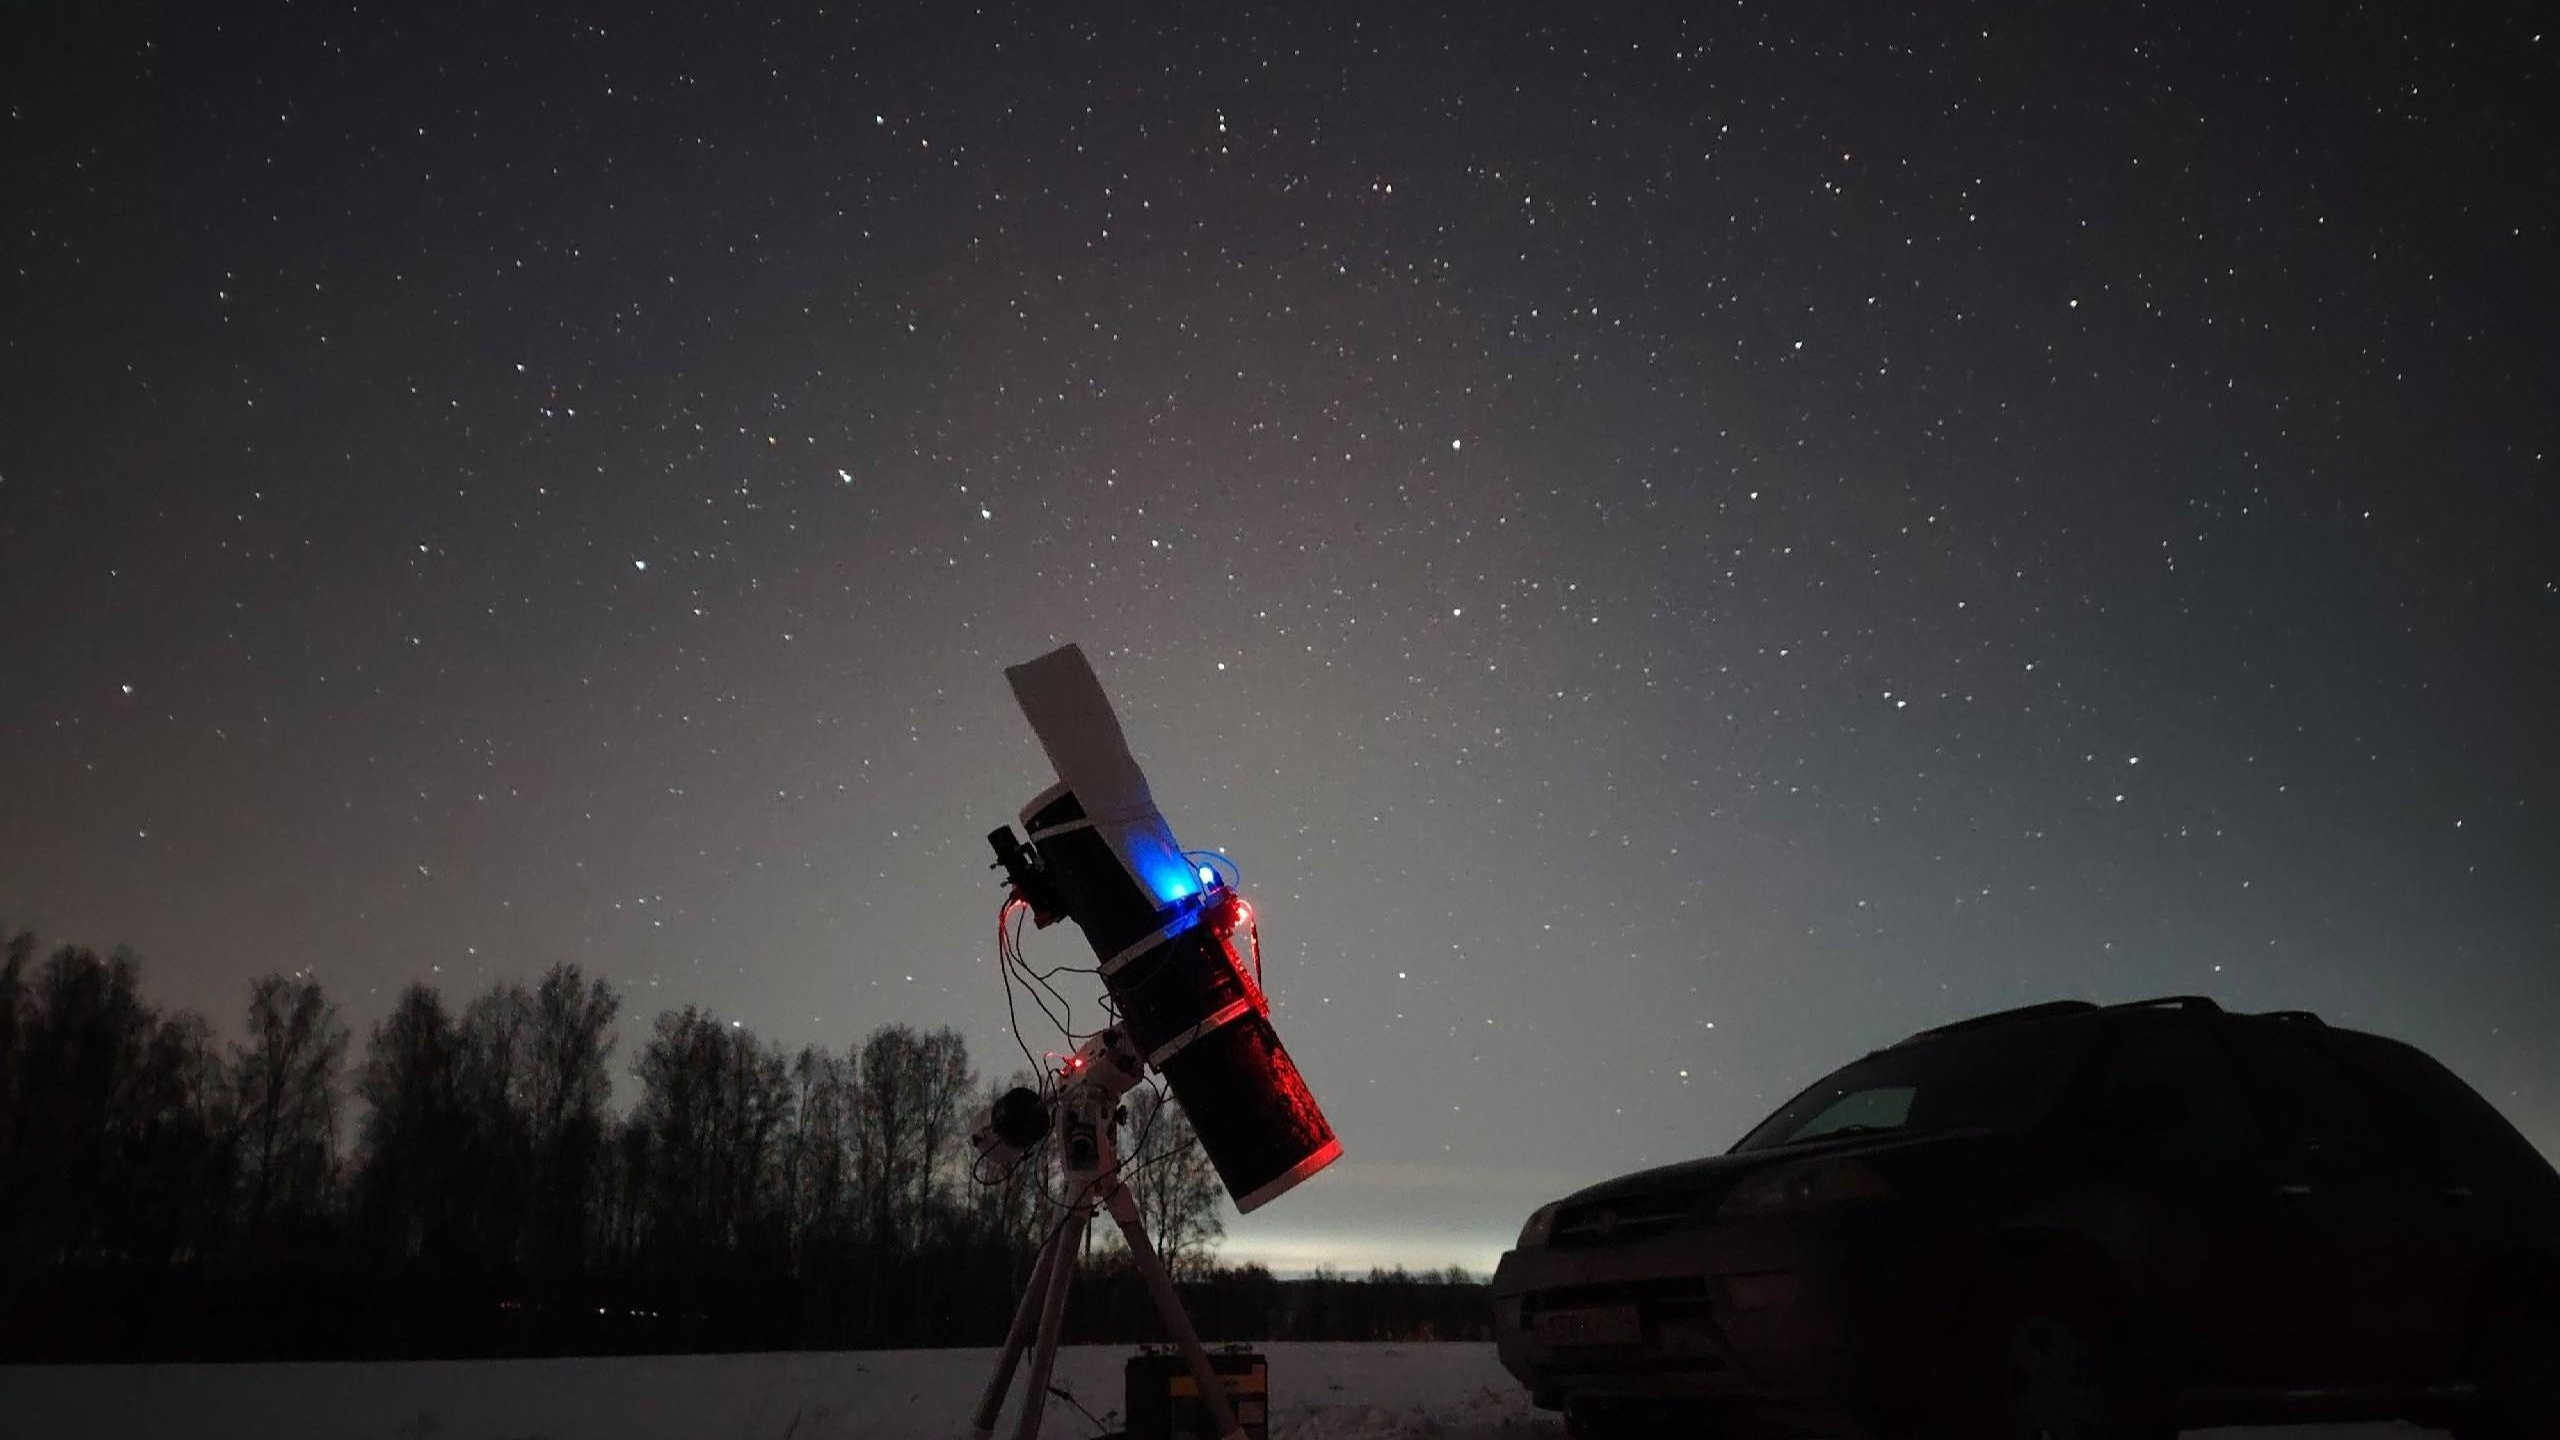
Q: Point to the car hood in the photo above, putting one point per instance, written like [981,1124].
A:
[1694,1180]
[1715,1174]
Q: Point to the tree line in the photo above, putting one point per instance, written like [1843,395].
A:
[460,1182]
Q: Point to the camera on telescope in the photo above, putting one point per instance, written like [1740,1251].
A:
[1022,872]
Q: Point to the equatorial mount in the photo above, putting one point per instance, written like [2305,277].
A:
[1084,1117]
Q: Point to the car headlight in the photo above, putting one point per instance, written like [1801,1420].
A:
[1541,1221]
[1791,1189]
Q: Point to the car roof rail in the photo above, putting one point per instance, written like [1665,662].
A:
[2203,1004]
[2046,1011]
[2295,1017]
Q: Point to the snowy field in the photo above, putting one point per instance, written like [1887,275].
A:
[1319,1392]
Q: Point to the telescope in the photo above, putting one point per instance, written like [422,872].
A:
[1095,850]
[1100,854]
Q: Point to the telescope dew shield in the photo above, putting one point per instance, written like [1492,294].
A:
[1183,997]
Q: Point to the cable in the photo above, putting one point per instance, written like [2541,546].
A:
[1004,963]
[978,1168]
[1230,874]
[1013,965]
[1009,953]
[1063,1393]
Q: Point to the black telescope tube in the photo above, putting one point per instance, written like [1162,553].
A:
[1187,1007]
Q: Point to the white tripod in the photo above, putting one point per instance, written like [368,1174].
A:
[1086,1118]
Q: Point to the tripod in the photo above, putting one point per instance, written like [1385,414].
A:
[1087,1115]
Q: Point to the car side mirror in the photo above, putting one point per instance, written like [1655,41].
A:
[2145,1109]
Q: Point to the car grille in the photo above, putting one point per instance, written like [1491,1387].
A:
[1683,1291]
[1674,1314]
[1618,1221]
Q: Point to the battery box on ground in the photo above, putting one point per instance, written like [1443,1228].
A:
[1162,1400]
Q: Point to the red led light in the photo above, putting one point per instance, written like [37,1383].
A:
[1229,913]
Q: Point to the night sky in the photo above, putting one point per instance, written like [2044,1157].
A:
[1673,546]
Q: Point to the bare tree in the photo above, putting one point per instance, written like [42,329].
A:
[415,1126]
[1170,1177]
[284,1078]
[753,1121]
[565,1090]
[945,1081]
[680,1103]
[177,1121]
[888,1098]
[818,1177]
[496,1039]
[625,1187]
[85,1032]
[15,954]
[714,1103]
[492,1073]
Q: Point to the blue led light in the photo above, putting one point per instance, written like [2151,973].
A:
[1168,877]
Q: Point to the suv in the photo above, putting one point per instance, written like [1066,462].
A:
[2071,1222]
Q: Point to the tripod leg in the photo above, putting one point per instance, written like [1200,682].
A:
[1017,1339]
[1124,1208]
[1053,1315]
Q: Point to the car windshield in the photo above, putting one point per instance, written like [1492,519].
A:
[1998,1079]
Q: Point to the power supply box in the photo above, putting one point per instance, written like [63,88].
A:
[1162,1401]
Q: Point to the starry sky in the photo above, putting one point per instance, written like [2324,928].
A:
[1673,545]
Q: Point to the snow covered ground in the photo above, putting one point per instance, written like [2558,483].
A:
[1319,1392]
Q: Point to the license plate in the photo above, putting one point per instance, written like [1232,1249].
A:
[1607,1325]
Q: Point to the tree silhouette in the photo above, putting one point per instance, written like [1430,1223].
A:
[114,1125]
[408,1193]
[497,1160]
[161,1195]
[714,1102]
[176,1126]
[284,1079]
[1170,1177]
[817,1167]
[907,1129]
[15,953]
[566,1088]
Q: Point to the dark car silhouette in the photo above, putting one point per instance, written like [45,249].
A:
[2072,1222]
